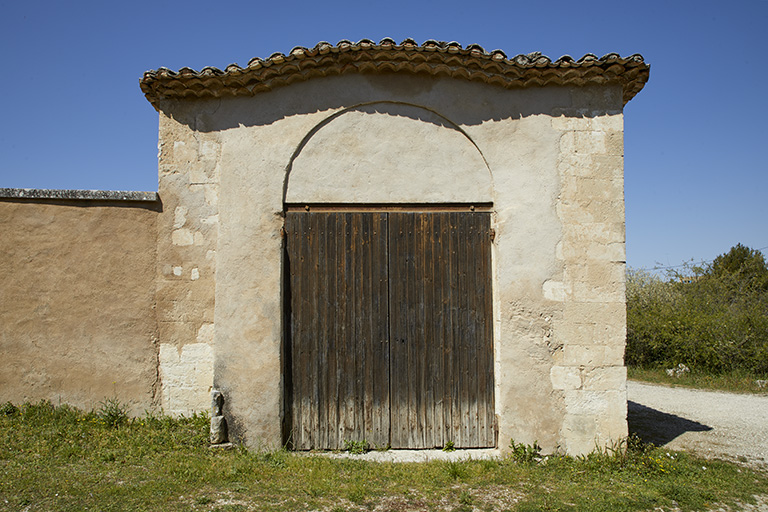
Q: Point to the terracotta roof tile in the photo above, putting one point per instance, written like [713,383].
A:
[433,57]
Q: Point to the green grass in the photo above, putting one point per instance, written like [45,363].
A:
[735,381]
[60,459]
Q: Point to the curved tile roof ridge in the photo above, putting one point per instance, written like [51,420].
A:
[437,58]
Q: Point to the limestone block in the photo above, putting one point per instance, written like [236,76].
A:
[590,142]
[596,272]
[610,166]
[186,375]
[613,252]
[608,123]
[554,290]
[595,403]
[180,216]
[594,313]
[596,281]
[584,355]
[587,189]
[614,144]
[595,232]
[182,237]
[586,333]
[205,334]
[605,378]
[565,377]
[577,333]
[581,210]
[569,122]
[572,164]
[612,426]
[614,354]
[579,433]
[584,291]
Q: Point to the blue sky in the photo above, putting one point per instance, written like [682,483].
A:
[695,137]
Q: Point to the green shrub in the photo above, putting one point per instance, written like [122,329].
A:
[525,453]
[714,321]
[112,413]
[357,447]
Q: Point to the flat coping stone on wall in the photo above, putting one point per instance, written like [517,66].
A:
[88,195]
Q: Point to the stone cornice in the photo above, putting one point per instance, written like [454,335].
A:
[70,195]
[434,58]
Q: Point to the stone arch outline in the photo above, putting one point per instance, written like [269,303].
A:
[311,133]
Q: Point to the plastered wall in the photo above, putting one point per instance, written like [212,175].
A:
[549,159]
[77,303]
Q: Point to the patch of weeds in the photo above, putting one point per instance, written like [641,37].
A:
[450,446]
[112,413]
[358,494]
[275,459]
[357,447]
[456,470]
[108,457]
[525,453]
[313,491]
[8,409]
[234,507]
[204,500]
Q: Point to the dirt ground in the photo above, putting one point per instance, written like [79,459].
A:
[712,424]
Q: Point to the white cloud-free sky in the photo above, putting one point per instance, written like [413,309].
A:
[695,137]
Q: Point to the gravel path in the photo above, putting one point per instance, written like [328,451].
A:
[713,424]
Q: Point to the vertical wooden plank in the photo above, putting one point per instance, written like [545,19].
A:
[429,339]
[471,341]
[362,329]
[380,308]
[362,337]
[443,272]
[479,250]
[347,308]
[455,334]
[315,376]
[476,342]
[398,306]
[304,341]
[412,341]
[485,325]
[294,235]
[309,344]
[319,343]
[419,352]
[330,333]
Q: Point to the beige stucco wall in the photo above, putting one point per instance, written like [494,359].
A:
[77,318]
[550,159]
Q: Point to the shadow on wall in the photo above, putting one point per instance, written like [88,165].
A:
[658,427]
[331,93]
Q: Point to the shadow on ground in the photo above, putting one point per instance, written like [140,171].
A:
[658,427]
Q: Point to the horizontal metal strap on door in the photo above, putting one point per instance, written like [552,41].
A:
[388,207]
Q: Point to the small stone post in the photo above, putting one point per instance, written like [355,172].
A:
[218,422]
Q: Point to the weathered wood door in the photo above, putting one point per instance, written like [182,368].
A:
[390,329]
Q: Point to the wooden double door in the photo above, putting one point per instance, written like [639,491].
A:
[390,329]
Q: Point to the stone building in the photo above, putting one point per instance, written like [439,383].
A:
[408,244]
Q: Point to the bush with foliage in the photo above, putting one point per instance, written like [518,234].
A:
[712,318]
